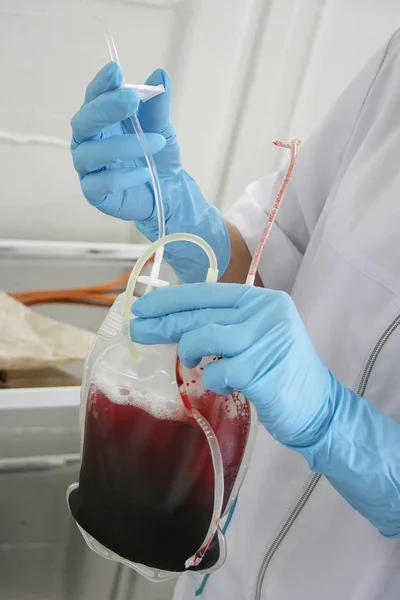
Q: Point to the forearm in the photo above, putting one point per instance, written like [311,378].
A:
[240,259]
[360,456]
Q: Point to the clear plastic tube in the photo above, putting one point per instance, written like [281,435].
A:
[137,128]
[218,467]
[293,145]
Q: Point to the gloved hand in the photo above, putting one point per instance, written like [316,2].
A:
[267,354]
[114,177]
[266,351]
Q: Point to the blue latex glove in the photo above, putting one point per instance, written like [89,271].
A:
[114,177]
[268,356]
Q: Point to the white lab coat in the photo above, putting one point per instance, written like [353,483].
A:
[336,249]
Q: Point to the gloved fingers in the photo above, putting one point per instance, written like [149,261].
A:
[210,340]
[154,115]
[95,154]
[193,296]
[102,112]
[216,377]
[96,187]
[124,206]
[234,373]
[107,79]
[170,328]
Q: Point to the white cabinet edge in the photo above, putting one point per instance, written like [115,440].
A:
[58,397]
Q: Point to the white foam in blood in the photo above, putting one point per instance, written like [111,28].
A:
[159,407]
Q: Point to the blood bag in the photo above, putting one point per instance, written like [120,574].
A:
[162,458]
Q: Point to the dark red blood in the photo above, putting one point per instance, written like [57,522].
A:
[146,486]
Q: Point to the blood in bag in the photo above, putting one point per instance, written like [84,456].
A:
[147,482]
[146,487]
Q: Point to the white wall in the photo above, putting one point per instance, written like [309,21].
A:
[244,72]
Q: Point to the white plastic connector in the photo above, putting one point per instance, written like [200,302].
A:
[158,258]
[155,283]
[145,92]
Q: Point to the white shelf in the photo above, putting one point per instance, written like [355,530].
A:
[28,398]
[66,249]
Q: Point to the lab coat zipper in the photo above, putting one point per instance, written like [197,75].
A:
[315,477]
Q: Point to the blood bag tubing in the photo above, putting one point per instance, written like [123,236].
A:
[137,128]
[293,145]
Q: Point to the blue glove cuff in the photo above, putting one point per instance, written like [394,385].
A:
[360,455]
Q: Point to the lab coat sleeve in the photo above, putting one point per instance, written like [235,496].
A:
[320,161]
[360,456]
